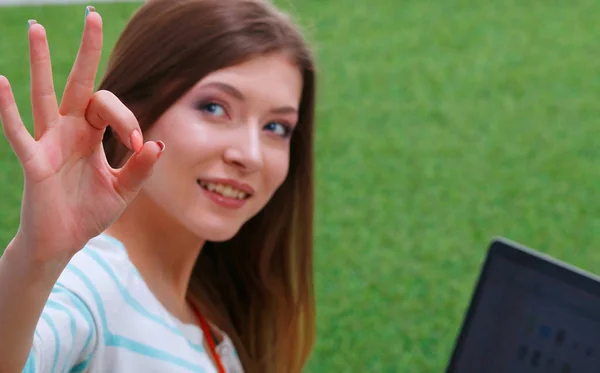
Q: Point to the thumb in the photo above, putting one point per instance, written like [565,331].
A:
[137,169]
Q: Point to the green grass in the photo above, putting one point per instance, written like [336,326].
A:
[440,126]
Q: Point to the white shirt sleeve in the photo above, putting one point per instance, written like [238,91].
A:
[65,336]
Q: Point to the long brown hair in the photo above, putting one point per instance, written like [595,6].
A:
[258,286]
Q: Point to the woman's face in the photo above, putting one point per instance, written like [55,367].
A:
[227,146]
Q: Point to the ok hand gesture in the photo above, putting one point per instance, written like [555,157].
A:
[71,193]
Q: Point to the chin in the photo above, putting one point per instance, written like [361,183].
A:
[220,236]
[216,232]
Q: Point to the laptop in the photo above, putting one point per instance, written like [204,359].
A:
[528,313]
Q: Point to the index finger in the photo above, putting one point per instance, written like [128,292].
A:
[80,85]
[106,109]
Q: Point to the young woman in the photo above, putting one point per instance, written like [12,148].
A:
[200,261]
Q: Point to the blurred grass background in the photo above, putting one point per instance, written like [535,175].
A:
[440,125]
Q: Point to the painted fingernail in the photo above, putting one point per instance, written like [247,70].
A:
[161,145]
[89,9]
[31,22]
[136,141]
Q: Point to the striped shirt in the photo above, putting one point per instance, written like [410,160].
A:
[101,317]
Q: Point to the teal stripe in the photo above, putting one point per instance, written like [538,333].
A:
[111,339]
[30,365]
[137,274]
[83,310]
[56,340]
[132,302]
[121,247]
[113,240]
[152,352]
[58,306]
[81,367]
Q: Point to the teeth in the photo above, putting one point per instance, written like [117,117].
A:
[225,190]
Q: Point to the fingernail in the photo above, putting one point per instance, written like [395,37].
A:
[89,9]
[161,145]
[136,141]
[31,22]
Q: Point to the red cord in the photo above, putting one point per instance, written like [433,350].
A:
[208,337]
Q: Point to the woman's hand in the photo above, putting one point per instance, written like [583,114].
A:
[71,193]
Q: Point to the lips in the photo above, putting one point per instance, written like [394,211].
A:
[226,190]
[226,193]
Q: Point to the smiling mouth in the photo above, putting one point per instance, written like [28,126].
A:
[224,190]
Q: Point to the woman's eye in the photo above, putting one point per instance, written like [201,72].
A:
[279,129]
[213,109]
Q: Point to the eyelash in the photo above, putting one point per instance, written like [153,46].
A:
[287,128]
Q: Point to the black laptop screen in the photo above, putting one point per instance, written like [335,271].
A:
[530,315]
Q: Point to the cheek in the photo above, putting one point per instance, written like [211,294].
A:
[187,145]
[189,136]
[277,168]
[187,140]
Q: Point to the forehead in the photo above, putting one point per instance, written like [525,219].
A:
[272,77]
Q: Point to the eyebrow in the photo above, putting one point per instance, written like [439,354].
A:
[232,91]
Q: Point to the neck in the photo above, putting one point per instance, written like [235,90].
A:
[162,250]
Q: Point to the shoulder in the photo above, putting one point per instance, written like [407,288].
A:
[229,355]
[97,272]
[77,311]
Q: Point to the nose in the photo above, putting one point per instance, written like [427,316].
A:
[246,152]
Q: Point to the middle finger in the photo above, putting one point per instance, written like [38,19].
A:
[80,85]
